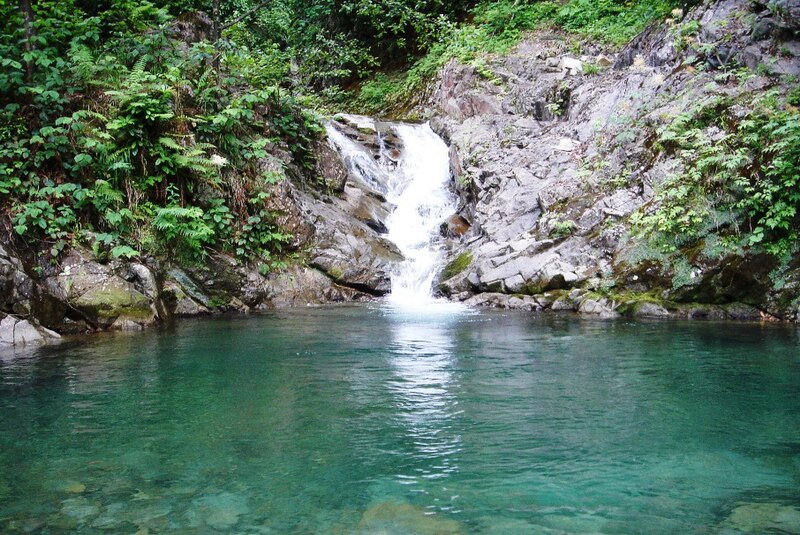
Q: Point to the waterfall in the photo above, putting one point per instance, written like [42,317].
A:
[359,160]
[418,188]
[415,181]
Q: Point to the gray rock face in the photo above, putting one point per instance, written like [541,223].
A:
[599,307]
[550,168]
[101,295]
[21,294]
[301,286]
[347,250]
[330,167]
[499,300]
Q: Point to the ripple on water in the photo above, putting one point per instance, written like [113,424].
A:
[372,419]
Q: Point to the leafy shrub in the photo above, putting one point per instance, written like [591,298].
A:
[734,167]
[131,142]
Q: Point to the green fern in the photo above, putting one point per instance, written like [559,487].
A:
[185,228]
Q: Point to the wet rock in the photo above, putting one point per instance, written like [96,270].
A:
[179,303]
[598,306]
[366,206]
[300,286]
[649,310]
[454,227]
[764,518]
[350,252]
[19,332]
[330,166]
[219,511]
[188,287]
[500,300]
[400,518]
[743,312]
[564,304]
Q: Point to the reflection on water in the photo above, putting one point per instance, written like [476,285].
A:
[425,390]
[400,421]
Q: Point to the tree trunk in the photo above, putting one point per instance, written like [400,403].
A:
[216,32]
[216,24]
[30,33]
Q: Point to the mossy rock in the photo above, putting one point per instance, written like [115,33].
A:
[457,265]
[108,302]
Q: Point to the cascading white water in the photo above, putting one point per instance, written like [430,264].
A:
[359,160]
[416,185]
[418,188]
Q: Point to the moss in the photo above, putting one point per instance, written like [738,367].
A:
[109,302]
[534,289]
[457,265]
[218,301]
[335,273]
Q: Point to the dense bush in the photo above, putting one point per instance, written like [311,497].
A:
[115,133]
[740,163]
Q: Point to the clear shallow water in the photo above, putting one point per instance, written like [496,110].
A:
[366,420]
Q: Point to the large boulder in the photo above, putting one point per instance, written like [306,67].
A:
[19,332]
[300,286]
[330,167]
[104,298]
[350,252]
[23,295]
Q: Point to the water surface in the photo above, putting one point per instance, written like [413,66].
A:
[369,420]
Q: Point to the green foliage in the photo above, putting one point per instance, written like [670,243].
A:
[259,235]
[612,21]
[590,69]
[137,143]
[377,94]
[497,25]
[563,228]
[735,166]
[182,229]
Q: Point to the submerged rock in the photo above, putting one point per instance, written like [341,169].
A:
[80,509]
[220,511]
[764,518]
[401,518]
